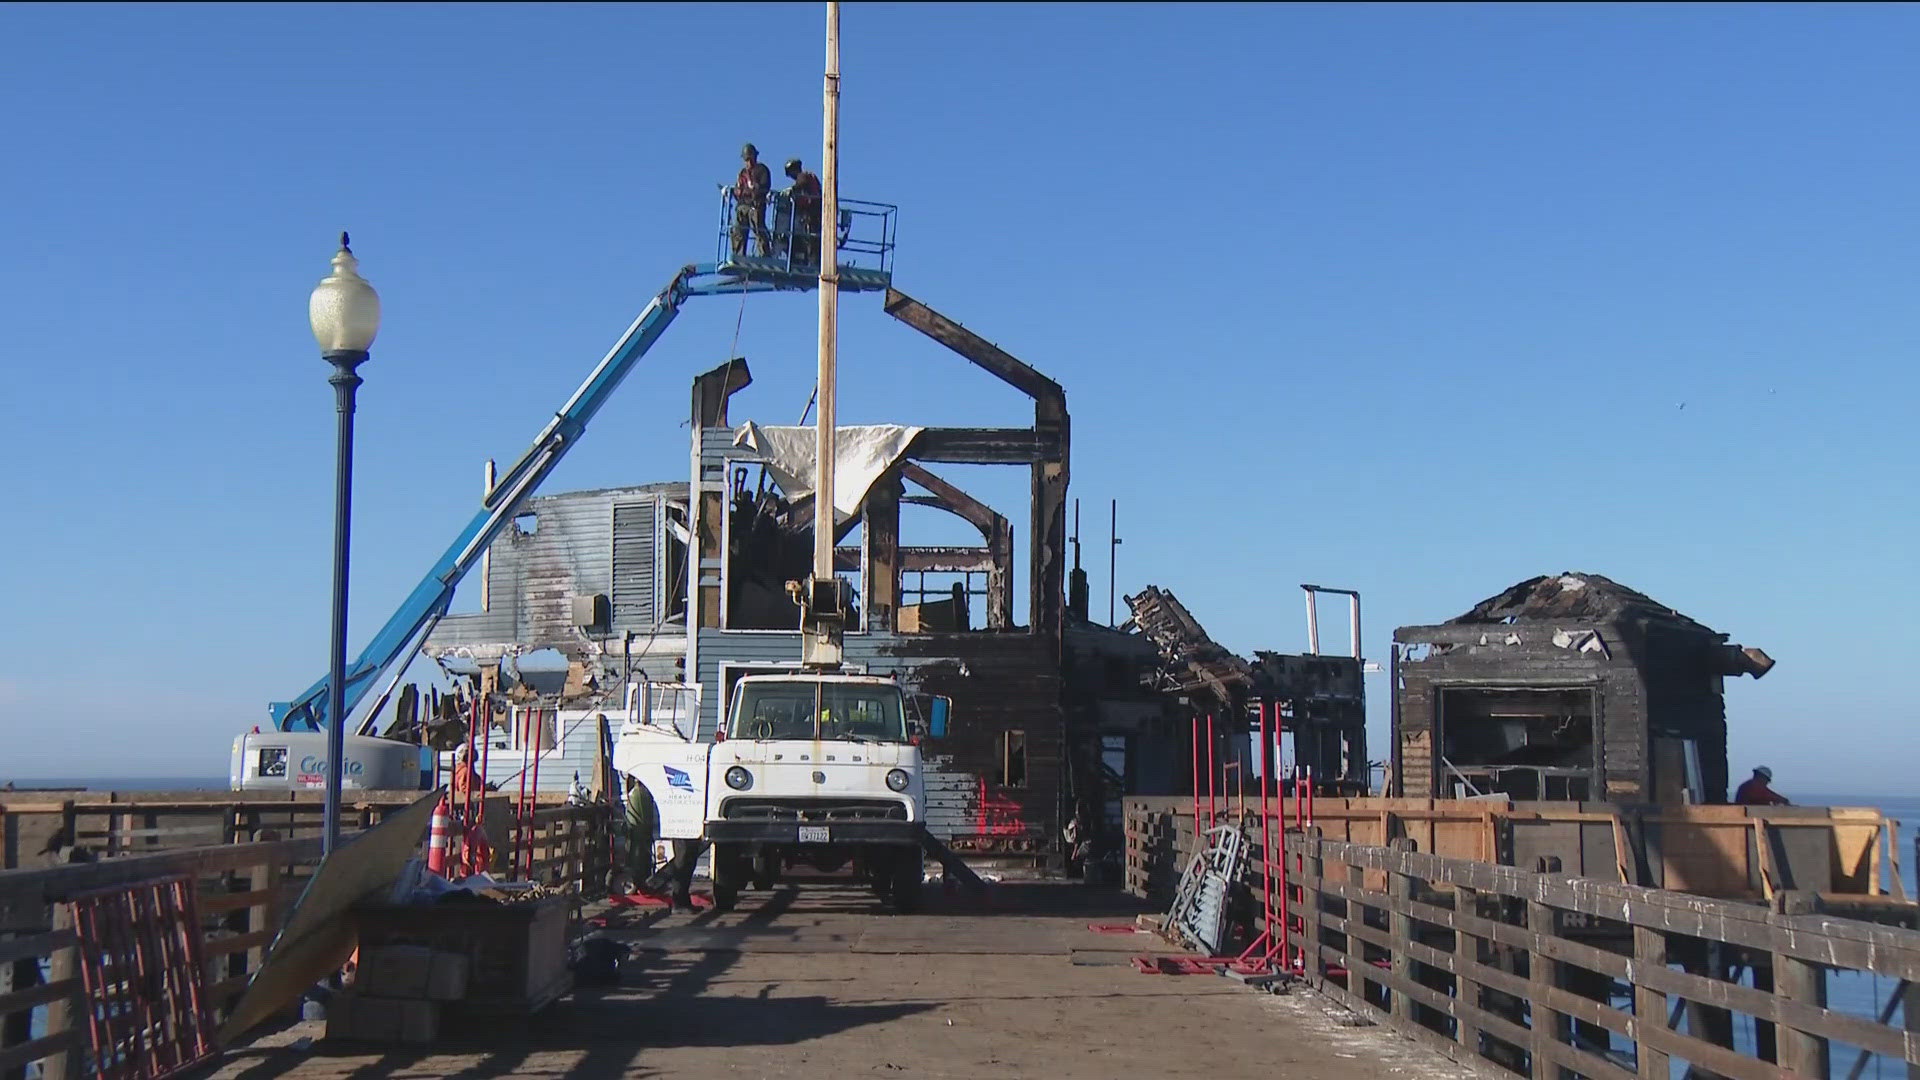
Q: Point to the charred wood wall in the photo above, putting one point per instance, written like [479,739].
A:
[1428,660]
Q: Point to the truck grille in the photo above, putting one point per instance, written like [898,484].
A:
[814,810]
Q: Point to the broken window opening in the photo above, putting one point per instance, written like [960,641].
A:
[526,524]
[673,593]
[1013,759]
[1525,743]
[944,604]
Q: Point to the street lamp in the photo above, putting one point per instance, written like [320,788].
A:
[345,313]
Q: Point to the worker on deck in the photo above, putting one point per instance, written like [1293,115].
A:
[750,203]
[1756,792]
[804,194]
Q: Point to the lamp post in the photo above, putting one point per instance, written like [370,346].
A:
[345,313]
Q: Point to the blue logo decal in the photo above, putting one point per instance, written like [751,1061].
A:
[677,778]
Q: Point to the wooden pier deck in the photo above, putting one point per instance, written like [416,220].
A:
[820,982]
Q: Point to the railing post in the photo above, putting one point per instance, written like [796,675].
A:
[1542,922]
[62,1016]
[266,914]
[1649,1006]
[1400,929]
[1311,965]
[1806,983]
[1910,1007]
[1466,955]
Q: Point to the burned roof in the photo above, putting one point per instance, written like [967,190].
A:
[1577,596]
[1193,661]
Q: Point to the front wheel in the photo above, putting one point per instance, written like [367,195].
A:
[729,875]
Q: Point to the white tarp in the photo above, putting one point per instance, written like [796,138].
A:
[861,455]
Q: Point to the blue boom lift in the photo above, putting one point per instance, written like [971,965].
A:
[864,234]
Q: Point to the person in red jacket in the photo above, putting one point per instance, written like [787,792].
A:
[805,194]
[1755,791]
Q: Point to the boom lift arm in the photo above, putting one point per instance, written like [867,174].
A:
[863,232]
[409,625]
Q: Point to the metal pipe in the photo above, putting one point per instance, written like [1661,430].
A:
[486,557]
[521,837]
[1313,621]
[1113,554]
[1266,827]
[345,381]
[538,748]
[823,521]
[1354,599]
[1195,745]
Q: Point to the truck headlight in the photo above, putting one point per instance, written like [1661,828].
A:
[898,779]
[739,779]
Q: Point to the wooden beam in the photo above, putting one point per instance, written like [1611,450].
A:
[980,446]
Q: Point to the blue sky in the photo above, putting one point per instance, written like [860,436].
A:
[1402,299]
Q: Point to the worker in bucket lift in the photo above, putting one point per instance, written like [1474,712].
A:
[750,203]
[804,195]
[1756,792]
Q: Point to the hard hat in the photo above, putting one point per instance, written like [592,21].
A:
[749,150]
[793,164]
[1763,772]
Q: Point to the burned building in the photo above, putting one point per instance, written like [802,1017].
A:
[686,584]
[1568,686]
[996,785]
[1320,699]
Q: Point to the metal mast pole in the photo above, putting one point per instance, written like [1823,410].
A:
[822,607]
[345,381]
[1113,555]
[823,522]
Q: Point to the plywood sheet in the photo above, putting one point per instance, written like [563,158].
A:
[318,937]
[1706,858]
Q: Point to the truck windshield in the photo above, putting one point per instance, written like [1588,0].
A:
[817,710]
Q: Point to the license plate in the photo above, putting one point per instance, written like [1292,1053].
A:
[814,834]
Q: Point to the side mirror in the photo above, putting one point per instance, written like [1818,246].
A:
[937,712]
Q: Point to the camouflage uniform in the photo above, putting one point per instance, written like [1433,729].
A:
[750,208]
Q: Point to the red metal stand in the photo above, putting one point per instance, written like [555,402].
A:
[146,987]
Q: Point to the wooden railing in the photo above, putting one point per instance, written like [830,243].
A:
[115,824]
[1552,975]
[244,892]
[1730,852]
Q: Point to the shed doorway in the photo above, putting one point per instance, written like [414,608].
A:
[1524,742]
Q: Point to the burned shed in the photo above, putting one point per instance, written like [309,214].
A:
[1568,686]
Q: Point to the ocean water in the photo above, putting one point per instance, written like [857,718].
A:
[117,783]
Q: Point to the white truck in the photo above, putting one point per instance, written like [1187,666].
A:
[813,769]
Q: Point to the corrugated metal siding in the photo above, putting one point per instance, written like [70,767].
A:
[569,554]
[533,577]
[634,572]
[717,443]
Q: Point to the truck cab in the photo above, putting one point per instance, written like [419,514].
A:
[809,769]
[818,770]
